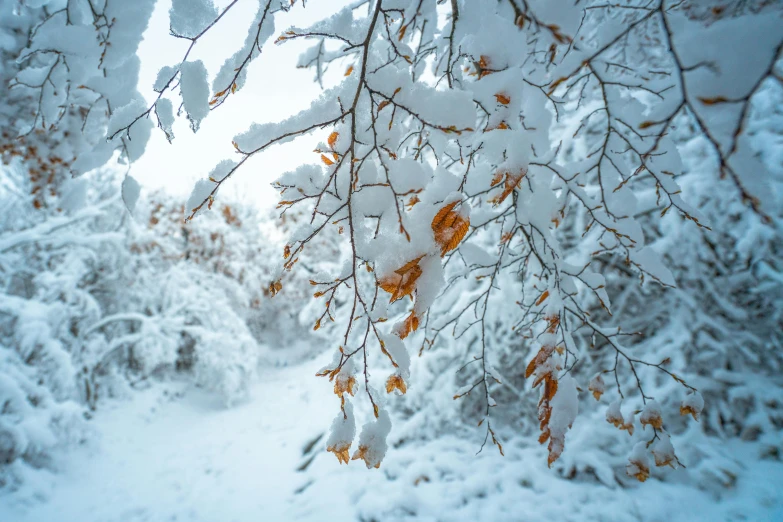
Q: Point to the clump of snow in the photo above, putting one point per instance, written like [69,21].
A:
[372,440]
[130,192]
[343,430]
[261,29]
[639,462]
[195,92]
[201,192]
[651,414]
[190,17]
[165,112]
[663,450]
[598,388]
[399,353]
[565,406]
[165,75]
[222,170]
[123,116]
[693,404]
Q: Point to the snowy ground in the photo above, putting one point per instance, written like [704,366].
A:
[183,457]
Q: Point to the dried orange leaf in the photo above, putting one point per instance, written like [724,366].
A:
[713,101]
[274,288]
[332,141]
[511,182]
[341,452]
[344,384]
[402,281]
[554,85]
[543,297]
[502,99]
[450,228]
[396,382]
[411,324]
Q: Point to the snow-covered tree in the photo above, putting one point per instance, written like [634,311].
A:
[509,167]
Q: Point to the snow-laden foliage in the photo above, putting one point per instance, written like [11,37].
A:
[71,70]
[584,196]
[502,165]
[94,304]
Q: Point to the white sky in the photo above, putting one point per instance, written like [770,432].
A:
[275,89]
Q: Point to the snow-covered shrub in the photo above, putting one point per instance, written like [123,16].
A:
[49,264]
[95,302]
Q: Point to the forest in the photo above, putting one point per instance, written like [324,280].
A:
[391,260]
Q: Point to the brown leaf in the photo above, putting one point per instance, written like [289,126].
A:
[402,281]
[326,160]
[349,70]
[396,382]
[596,387]
[638,469]
[556,440]
[411,324]
[410,265]
[341,452]
[652,418]
[542,355]
[343,385]
[511,182]
[554,85]
[361,453]
[449,228]
[543,297]
[332,140]
[685,410]
[713,101]
[275,287]
[502,98]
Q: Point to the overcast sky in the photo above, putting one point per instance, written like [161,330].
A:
[275,88]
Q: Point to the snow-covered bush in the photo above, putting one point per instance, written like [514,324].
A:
[94,303]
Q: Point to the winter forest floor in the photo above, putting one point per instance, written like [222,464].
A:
[176,454]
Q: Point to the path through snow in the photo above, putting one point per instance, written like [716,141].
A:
[184,457]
